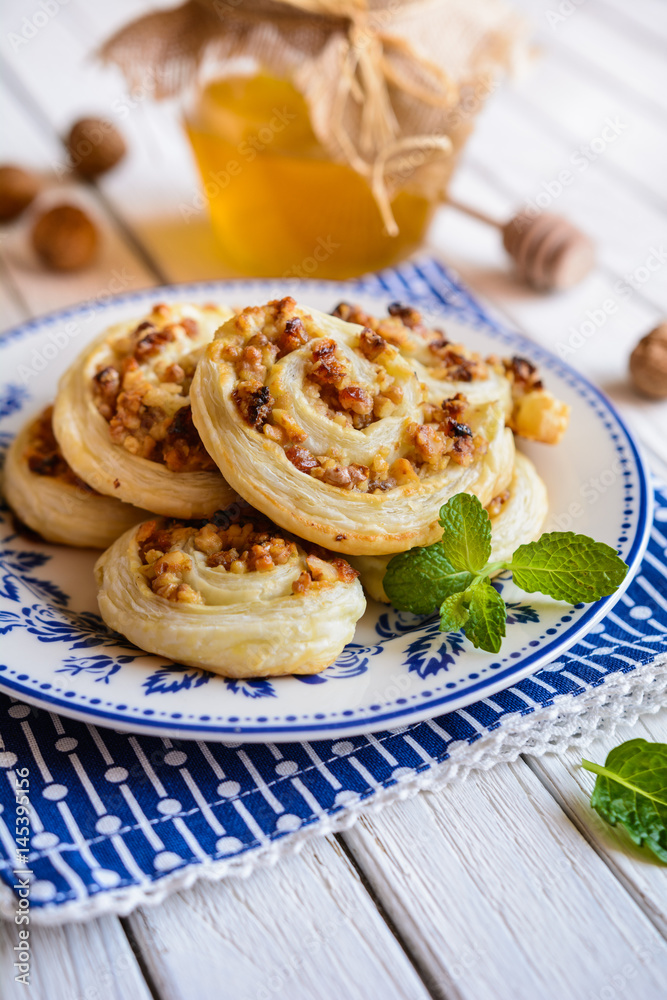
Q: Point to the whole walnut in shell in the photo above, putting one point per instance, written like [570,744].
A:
[94,146]
[64,238]
[648,363]
[18,188]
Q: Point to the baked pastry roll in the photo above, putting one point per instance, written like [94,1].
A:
[323,426]
[446,368]
[243,600]
[517,515]
[122,415]
[47,496]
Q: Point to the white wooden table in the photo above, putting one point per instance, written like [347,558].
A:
[445,895]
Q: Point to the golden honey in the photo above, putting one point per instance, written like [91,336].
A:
[279,205]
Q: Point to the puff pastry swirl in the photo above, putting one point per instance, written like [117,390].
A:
[445,368]
[47,496]
[243,600]
[517,516]
[323,426]
[122,415]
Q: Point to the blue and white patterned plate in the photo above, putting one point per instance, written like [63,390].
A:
[57,653]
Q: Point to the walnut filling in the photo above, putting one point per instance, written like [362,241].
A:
[144,396]
[536,414]
[444,437]
[494,508]
[523,375]
[441,439]
[332,389]
[251,547]
[44,457]
[265,334]
[405,329]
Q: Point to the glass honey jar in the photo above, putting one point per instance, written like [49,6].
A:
[279,205]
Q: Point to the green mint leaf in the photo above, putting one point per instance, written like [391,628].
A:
[466,535]
[453,613]
[487,616]
[419,580]
[631,789]
[568,567]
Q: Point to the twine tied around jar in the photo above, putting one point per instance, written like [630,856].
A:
[385,81]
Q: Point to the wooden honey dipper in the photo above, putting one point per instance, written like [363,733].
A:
[549,252]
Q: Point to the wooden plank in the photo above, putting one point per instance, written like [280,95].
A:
[647,19]
[12,309]
[619,59]
[589,118]
[302,930]
[156,187]
[640,872]
[498,895]
[117,268]
[87,961]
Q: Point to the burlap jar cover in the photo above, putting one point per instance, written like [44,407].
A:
[392,86]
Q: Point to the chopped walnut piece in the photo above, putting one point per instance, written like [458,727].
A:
[430,443]
[207,540]
[449,362]
[408,314]
[190,325]
[522,373]
[325,368]
[301,585]
[371,344]
[173,373]
[536,414]
[251,365]
[293,336]
[152,342]
[254,402]
[106,386]
[303,459]
[355,398]
[345,476]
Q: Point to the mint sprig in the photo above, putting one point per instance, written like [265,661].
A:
[453,574]
[466,532]
[422,578]
[631,789]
